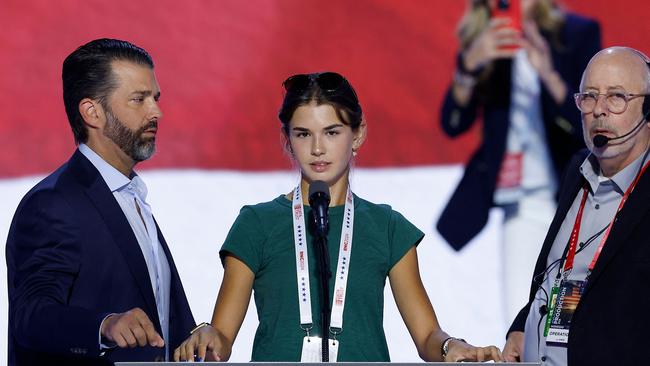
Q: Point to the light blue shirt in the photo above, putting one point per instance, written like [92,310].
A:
[131,194]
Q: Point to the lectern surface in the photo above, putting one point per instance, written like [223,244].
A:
[330,364]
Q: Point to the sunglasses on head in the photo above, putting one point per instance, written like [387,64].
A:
[326,81]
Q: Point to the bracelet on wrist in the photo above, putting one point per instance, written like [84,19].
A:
[204,324]
[444,347]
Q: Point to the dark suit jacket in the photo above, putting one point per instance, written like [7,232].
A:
[467,211]
[72,259]
[610,325]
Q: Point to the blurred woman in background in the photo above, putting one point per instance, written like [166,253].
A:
[518,66]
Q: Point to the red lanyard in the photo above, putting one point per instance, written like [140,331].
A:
[573,241]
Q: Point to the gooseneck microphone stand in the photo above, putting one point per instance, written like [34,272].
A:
[319,199]
[320,242]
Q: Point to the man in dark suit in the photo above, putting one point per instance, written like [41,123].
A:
[91,280]
[588,302]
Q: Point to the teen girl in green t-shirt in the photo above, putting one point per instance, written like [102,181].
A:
[268,251]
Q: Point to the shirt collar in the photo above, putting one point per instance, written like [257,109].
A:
[140,188]
[113,178]
[590,169]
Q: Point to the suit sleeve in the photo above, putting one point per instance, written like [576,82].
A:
[454,118]
[44,256]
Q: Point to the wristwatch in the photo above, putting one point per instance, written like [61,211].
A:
[444,348]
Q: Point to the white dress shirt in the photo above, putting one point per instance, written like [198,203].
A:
[527,134]
[131,194]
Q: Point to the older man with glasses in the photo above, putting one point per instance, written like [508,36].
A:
[588,302]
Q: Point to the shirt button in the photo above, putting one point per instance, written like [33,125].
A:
[597,206]
[543,358]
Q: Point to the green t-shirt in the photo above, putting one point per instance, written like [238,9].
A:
[262,237]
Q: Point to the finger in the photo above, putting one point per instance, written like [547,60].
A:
[502,53]
[139,335]
[508,40]
[180,351]
[177,354]
[494,353]
[154,339]
[532,45]
[480,354]
[498,22]
[129,338]
[536,38]
[506,32]
[190,350]
[119,339]
[529,28]
[215,355]
[531,50]
[510,356]
[201,348]
[531,31]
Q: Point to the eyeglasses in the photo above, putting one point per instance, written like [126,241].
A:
[616,102]
[326,81]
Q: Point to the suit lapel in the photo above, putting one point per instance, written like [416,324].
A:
[634,210]
[118,226]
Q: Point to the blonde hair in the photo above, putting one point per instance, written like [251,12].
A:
[546,14]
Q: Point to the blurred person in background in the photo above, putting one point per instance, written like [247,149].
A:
[518,66]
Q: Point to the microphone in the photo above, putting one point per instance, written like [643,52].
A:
[319,200]
[543,310]
[602,140]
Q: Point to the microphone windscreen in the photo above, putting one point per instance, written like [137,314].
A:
[318,186]
[600,140]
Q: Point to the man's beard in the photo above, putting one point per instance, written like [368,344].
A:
[129,141]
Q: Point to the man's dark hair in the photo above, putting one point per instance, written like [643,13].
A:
[87,73]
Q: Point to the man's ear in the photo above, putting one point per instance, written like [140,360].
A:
[92,113]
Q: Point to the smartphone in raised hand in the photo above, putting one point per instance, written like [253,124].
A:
[510,10]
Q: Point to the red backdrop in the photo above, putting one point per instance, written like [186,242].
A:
[220,64]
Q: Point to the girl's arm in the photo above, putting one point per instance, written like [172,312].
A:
[216,341]
[420,318]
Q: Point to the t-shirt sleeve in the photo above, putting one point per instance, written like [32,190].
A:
[402,235]
[245,240]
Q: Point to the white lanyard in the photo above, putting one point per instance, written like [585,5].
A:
[302,262]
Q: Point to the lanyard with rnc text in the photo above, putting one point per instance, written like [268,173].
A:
[302,262]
